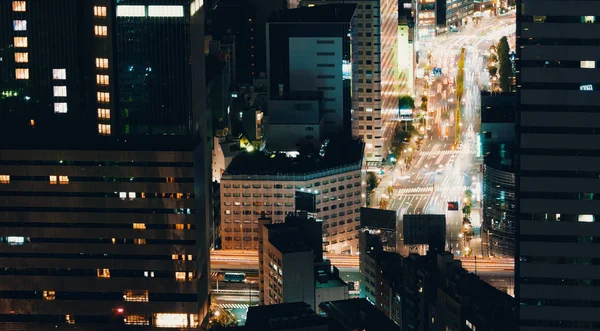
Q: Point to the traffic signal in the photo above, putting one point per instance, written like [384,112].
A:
[452,205]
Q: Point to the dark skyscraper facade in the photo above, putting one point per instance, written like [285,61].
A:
[123,69]
[105,165]
[557,264]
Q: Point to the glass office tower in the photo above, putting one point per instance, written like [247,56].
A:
[558,178]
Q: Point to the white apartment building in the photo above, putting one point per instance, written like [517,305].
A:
[376,90]
[247,193]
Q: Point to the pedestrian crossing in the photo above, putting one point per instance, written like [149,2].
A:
[424,189]
[214,274]
[438,153]
[414,190]
[234,305]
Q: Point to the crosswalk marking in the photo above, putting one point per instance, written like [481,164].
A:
[214,274]
[424,189]
[409,190]
[438,153]
[234,305]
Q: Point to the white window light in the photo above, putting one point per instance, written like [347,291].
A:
[59,74]
[588,64]
[195,6]
[60,91]
[170,320]
[131,11]
[20,25]
[60,107]
[15,240]
[165,11]
[585,218]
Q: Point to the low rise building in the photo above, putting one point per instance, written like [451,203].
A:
[258,183]
[291,266]
[432,292]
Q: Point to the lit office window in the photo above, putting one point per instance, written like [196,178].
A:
[180,276]
[588,64]
[139,226]
[139,241]
[49,295]
[103,113]
[59,74]
[100,11]
[63,180]
[103,273]
[101,63]
[104,129]
[136,320]
[102,79]
[60,91]
[22,73]
[136,295]
[588,19]
[53,179]
[60,107]
[20,25]
[131,11]
[101,30]
[21,57]
[165,11]
[103,97]
[20,42]
[4,179]
[20,6]
[170,320]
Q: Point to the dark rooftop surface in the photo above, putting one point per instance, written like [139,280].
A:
[283,316]
[337,154]
[334,13]
[287,238]
[358,314]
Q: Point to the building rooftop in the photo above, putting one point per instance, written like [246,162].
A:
[337,154]
[334,13]
[287,238]
[283,316]
[332,281]
[358,314]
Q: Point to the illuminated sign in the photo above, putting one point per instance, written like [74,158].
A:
[346,70]
[407,5]
[406,112]
[587,87]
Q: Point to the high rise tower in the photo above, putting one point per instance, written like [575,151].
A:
[105,165]
[557,264]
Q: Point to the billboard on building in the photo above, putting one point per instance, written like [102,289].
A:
[425,229]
